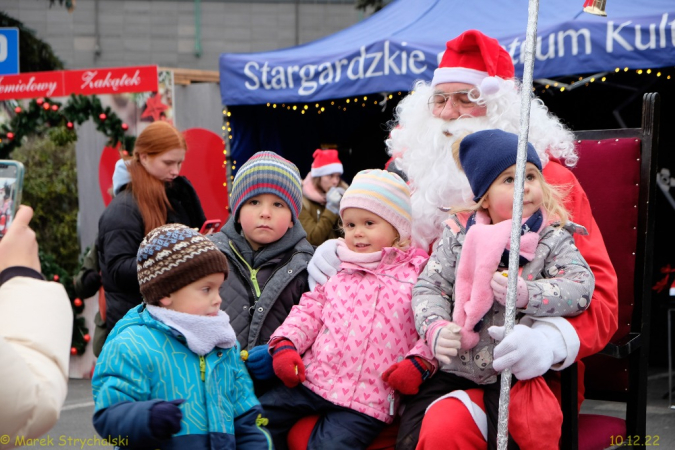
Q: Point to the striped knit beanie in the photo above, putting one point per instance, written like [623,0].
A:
[268,173]
[385,194]
[173,256]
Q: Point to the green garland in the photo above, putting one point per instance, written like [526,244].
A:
[52,271]
[43,113]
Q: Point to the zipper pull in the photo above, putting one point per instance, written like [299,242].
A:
[202,367]
[390,397]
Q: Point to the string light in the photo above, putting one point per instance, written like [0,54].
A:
[562,86]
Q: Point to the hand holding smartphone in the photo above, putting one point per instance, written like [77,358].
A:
[19,247]
[11,186]
[210,226]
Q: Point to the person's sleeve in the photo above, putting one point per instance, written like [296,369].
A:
[596,326]
[119,246]
[304,321]
[36,322]
[567,294]
[122,399]
[318,230]
[432,294]
[131,420]
[249,430]
[422,350]
[89,264]
[249,418]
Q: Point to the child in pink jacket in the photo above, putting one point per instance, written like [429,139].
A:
[356,332]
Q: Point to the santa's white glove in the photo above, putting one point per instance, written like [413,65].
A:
[333,198]
[444,340]
[529,352]
[500,282]
[324,264]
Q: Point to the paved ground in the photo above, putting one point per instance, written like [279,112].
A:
[75,421]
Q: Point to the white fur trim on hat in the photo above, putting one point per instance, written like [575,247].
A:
[328,169]
[458,75]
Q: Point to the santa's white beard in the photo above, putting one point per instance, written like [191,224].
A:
[424,149]
[436,182]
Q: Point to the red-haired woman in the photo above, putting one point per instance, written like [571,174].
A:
[156,195]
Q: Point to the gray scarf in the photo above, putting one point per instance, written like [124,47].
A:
[202,333]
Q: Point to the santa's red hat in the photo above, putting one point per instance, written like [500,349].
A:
[477,59]
[326,162]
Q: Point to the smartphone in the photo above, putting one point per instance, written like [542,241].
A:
[11,185]
[210,226]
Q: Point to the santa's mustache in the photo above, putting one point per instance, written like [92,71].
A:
[463,125]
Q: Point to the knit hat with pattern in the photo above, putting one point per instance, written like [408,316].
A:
[173,256]
[383,193]
[268,173]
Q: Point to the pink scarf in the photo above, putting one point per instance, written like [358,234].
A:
[365,260]
[481,253]
[311,192]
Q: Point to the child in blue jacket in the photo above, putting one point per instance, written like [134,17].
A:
[170,375]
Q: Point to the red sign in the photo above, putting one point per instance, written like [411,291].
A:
[31,85]
[86,82]
[111,81]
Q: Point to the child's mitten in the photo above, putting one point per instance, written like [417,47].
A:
[287,363]
[500,282]
[333,197]
[406,376]
[165,418]
[259,363]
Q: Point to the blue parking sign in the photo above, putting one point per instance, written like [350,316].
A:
[9,51]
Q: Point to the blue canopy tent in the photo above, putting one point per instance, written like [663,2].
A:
[276,98]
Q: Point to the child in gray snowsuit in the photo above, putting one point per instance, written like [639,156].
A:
[462,291]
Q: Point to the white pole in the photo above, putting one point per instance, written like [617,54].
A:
[510,313]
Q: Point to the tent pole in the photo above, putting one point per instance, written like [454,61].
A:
[510,313]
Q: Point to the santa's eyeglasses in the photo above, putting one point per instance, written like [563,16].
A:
[463,100]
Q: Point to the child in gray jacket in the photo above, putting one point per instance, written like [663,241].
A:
[462,291]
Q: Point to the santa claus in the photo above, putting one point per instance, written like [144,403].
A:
[474,89]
